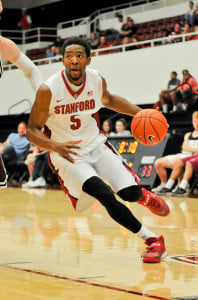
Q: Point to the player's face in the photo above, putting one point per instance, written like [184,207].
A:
[75,62]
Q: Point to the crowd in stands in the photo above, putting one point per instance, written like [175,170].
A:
[180,95]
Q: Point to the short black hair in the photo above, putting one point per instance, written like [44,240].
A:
[175,73]
[76,41]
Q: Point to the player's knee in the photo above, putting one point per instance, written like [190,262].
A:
[159,163]
[97,188]
[132,193]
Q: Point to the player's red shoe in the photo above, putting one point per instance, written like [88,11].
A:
[155,251]
[155,203]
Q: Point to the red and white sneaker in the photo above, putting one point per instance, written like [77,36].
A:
[155,251]
[155,203]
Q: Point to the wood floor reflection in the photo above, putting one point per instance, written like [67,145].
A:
[48,251]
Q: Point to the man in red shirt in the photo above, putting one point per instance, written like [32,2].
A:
[26,21]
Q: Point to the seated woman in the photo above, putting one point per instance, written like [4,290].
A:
[121,129]
[107,127]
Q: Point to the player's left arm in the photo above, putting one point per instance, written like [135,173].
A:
[117,103]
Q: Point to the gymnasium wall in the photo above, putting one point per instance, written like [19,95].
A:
[138,75]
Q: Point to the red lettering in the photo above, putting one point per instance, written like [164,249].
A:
[57,109]
[72,108]
[81,106]
[67,109]
[92,103]
[87,105]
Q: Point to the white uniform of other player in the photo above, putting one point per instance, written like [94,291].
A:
[192,143]
[71,119]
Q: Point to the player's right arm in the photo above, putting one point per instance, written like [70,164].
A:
[38,118]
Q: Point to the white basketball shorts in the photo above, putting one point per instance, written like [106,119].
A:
[101,162]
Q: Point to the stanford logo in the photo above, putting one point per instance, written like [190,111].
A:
[191,259]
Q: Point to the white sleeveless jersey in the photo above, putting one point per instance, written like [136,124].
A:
[71,113]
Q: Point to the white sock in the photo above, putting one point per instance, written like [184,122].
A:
[183,184]
[145,233]
[170,184]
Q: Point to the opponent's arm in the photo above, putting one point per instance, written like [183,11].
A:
[117,103]
[1,7]
[11,52]
[38,118]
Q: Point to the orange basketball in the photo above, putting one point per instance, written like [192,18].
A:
[149,126]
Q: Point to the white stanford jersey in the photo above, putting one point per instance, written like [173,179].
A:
[71,113]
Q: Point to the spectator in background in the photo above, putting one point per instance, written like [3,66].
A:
[129,28]
[40,171]
[58,42]
[94,41]
[114,33]
[107,127]
[166,96]
[189,147]
[126,40]
[189,14]
[176,31]
[195,17]
[188,166]
[16,145]
[104,44]
[52,51]
[121,128]
[187,29]
[26,21]
[184,96]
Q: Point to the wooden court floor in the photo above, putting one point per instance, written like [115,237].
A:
[48,251]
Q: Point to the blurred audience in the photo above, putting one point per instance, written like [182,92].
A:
[94,41]
[107,127]
[104,44]
[166,96]
[40,172]
[114,33]
[26,20]
[129,28]
[176,31]
[120,129]
[189,14]
[186,93]
[15,147]
[195,17]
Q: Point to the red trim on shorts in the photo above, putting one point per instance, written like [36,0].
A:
[96,117]
[74,94]
[65,190]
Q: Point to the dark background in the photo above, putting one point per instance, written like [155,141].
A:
[51,14]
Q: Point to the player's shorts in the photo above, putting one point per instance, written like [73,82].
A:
[3,175]
[194,161]
[171,157]
[101,162]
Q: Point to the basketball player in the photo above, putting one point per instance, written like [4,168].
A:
[80,154]
[189,147]
[10,51]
